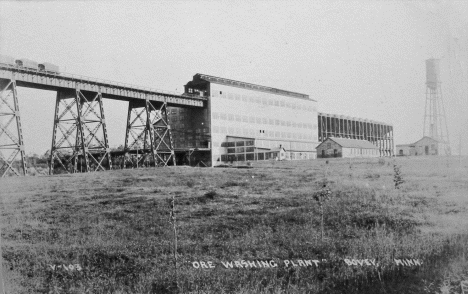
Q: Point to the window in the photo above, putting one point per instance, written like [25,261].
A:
[328,145]
[190,90]
[220,92]
[238,118]
[245,118]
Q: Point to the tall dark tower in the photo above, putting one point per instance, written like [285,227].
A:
[435,122]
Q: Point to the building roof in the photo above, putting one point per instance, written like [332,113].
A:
[238,84]
[425,137]
[414,144]
[277,149]
[351,143]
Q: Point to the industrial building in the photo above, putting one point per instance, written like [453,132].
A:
[349,148]
[243,122]
[380,134]
[424,146]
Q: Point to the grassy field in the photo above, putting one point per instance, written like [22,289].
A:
[116,227]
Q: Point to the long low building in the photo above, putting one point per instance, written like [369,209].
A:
[349,148]
[340,126]
[243,122]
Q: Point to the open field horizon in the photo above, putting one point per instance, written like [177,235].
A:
[115,228]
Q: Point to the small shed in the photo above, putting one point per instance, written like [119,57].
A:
[279,153]
[424,146]
[342,147]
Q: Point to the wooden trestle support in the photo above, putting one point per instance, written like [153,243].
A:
[79,140]
[149,134]
[11,134]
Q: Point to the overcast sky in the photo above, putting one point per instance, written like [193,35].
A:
[364,59]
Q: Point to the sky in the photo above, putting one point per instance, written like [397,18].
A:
[362,59]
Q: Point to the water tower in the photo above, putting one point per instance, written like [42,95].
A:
[435,122]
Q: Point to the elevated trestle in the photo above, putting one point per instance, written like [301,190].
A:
[79,140]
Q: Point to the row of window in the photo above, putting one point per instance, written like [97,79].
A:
[359,151]
[265,156]
[262,120]
[288,145]
[258,133]
[266,101]
[238,143]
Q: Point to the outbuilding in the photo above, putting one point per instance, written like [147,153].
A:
[342,147]
[424,146]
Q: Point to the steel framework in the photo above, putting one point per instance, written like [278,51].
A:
[11,134]
[435,122]
[79,140]
[149,132]
[339,126]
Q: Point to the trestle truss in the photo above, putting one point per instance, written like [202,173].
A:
[149,133]
[79,140]
[12,155]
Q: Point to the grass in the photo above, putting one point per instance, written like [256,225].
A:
[116,226]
